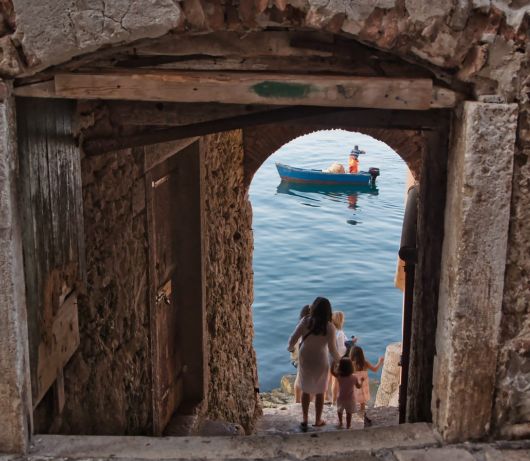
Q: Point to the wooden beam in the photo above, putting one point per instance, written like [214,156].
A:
[226,43]
[321,117]
[101,145]
[444,97]
[37,90]
[146,113]
[285,64]
[250,88]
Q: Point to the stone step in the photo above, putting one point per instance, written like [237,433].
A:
[285,419]
[330,445]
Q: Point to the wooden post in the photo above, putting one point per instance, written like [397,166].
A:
[15,402]
[431,203]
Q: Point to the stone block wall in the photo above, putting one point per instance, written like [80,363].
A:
[108,381]
[229,291]
[388,390]
[511,415]
[469,309]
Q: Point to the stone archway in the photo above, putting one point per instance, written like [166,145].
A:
[261,142]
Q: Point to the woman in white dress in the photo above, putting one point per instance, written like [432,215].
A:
[318,338]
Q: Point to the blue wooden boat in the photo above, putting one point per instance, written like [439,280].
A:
[302,175]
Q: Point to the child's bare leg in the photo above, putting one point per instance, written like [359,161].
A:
[335,390]
[348,420]
[328,388]
[363,409]
[306,398]
[367,421]
[339,414]
[297,394]
[319,405]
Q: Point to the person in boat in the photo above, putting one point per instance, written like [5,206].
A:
[317,335]
[353,162]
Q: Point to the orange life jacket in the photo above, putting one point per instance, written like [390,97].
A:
[353,164]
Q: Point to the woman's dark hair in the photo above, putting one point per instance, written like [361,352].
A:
[306,310]
[345,367]
[320,316]
[357,357]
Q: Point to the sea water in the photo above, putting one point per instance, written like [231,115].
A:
[314,241]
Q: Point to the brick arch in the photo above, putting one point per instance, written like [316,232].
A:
[262,141]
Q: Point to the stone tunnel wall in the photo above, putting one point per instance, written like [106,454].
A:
[108,381]
[229,283]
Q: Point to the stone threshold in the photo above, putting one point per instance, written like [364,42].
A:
[406,442]
[360,444]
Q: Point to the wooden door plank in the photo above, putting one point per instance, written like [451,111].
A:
[152,292]
[55,352]
[50,248]
[29,179]
[250,88]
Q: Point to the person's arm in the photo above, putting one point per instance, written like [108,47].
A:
[297,334]
[358,382]
[376,367]
[332,342]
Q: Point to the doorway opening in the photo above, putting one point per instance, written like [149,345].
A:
[340,242]
[130,150]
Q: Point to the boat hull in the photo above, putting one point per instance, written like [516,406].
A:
[303,176]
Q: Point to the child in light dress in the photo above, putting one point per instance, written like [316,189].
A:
[347,383]
[360,369]
[294,359]
[337,319]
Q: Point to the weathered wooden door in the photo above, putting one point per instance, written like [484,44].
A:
[163,242]
[53,237]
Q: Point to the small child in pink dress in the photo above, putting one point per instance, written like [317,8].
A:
[360,369]
[346,397]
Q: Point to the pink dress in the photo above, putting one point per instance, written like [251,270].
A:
[362,395]
[313,365]
[346,397]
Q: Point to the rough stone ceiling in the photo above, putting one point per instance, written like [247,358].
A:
[483,42]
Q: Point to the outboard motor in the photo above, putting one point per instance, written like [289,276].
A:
[374,172]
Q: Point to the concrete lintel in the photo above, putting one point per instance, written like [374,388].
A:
[15,395]
[477,212]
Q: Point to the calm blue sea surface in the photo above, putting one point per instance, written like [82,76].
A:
[338,244]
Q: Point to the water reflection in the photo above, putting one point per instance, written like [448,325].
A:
[309,194]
